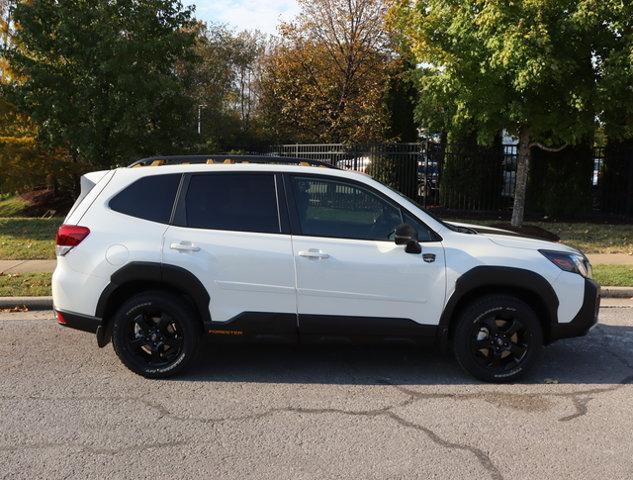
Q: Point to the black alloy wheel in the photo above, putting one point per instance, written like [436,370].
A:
[497,338]
[154,337]
[499,343]
[156,334]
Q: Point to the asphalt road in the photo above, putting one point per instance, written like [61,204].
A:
[70,410]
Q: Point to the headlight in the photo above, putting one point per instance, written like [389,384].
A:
[570,262]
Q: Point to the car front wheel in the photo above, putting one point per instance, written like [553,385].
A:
[498,338]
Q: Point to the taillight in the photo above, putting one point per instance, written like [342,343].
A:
[60,318]
[68,237]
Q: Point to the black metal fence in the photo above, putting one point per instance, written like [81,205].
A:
[470,178]
[404,166]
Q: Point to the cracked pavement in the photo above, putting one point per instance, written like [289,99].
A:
[71,410]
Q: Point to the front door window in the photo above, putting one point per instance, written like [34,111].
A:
[328,208]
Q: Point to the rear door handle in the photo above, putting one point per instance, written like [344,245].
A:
[314,253]
[184,247]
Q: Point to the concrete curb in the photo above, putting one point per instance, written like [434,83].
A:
[46,303]
[31,303]
[616,292]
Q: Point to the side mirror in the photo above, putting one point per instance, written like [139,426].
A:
[407,235]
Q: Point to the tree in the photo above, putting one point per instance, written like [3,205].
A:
[100,79]
[24,164]
[614,59]
[223,83]
[326,79]
[493,65]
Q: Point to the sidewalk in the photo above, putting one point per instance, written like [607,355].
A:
[27,266]
[611,259]
[47,266]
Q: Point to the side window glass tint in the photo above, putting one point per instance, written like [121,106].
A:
[424,233]
[245,202]
[330,208]
[150,198]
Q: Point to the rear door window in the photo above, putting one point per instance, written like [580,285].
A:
[243,202]
[150,198]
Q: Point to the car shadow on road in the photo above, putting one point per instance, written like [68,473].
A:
[604,356]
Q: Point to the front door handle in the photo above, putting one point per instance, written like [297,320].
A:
[314,253]
[184,247]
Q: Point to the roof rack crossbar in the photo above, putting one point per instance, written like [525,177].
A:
[217,159]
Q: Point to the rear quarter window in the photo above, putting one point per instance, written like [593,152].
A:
[150,198]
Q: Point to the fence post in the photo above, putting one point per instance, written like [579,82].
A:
[426,171]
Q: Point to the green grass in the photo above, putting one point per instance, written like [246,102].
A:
[588,237]
[28,238]
[11,206]
[25,285]
[593,238]
[614,275]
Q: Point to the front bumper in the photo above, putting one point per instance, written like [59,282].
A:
[586,317]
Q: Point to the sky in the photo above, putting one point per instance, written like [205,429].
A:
[263,15]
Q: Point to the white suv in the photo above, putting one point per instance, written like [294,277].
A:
[267,248]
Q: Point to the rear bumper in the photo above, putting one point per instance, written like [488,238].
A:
[78,321]
[586,317]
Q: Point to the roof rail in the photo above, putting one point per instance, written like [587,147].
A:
[228,159]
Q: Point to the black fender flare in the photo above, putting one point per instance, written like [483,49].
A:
[170,276]
[491,277]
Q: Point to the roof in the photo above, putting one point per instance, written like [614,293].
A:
[227,159]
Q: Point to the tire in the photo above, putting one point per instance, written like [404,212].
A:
[498,338]
[156,334]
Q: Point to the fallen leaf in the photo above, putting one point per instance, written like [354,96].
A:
[16,309]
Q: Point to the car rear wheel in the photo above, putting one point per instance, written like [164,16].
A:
[498,339]
[155,334]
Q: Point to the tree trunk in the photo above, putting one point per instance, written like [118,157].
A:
[523,167]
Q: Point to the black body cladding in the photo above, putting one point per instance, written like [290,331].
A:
[497,279]
[290,327]
[586,318]
[170,276]
[84,323]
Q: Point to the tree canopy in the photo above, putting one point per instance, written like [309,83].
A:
[502,65]
[326,79]
[488,65]
[614,61]
[100,79]
[225,87]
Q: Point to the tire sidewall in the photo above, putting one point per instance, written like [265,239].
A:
[472,315]
[162,302]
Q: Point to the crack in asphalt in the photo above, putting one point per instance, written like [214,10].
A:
[98,451]
[483,457]
[530,402]
[580,399]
